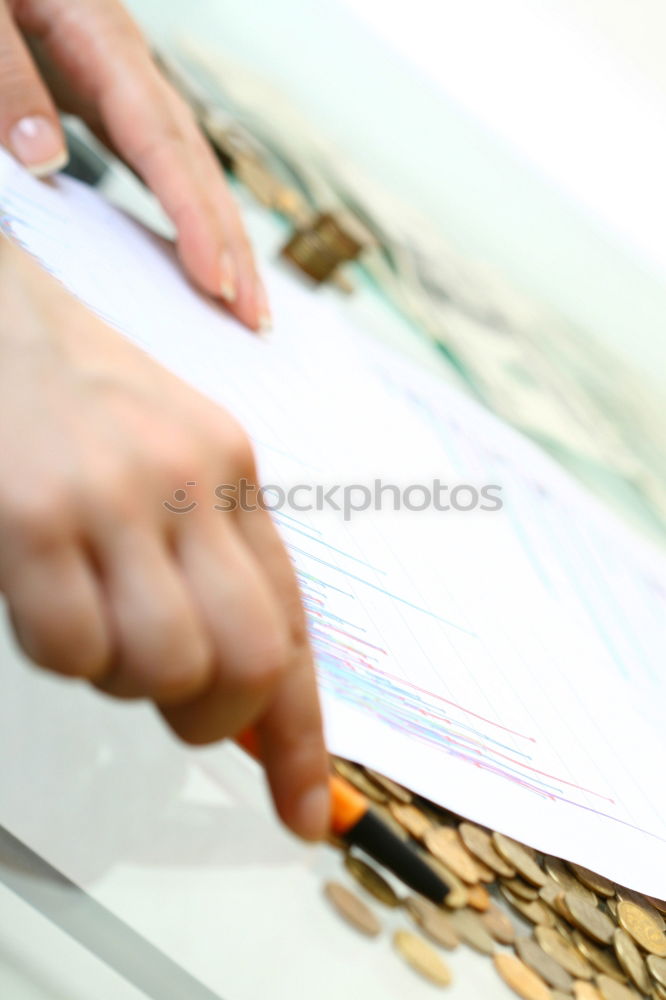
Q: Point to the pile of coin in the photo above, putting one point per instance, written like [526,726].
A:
[590,939]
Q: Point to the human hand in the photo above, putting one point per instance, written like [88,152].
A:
[94,62]
[198,611]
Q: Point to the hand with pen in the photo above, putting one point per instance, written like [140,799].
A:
[104,579]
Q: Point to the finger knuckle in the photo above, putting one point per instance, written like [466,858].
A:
[238,452]
[85,657]
[178,677]
[112,487]
[181,110]
[181,684]
[182,459]
[267,659]
[38,519]
[167,658]
[70,645]
[299,634]
[169,139]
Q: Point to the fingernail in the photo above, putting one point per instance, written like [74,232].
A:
[227,277]
[313,814]
[37,143]
[264,318]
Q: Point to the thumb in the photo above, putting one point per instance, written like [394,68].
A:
[29,125]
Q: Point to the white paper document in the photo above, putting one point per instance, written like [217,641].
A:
[507,663]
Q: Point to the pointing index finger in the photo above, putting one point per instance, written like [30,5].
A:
[290,731]
[293,751]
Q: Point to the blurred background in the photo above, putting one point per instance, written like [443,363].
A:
[507,160]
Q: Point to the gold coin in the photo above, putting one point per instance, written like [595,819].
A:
[659,904]
[559,995]
[550,893]
[597,883]
[480,844]
[629,896]
[434,923]
[470,929]
[424,959]
[563,952]
[585,991]
[355,776]
[602,959]
[457,895]
[561,916]
[478,898]
[371,880]
[393,789]
[520,979]
[438,927]
[387,817]
[657,967]
[560,906]
[642,927]
[439,816]
[559,873]
[444,843]
[586,917]
[352,909]
[535,911]
[522,889]
[561,926]
[611,906]
[520,858]
[411,818]
[486,874]
[660,991]
[417,905]
[498,924]
[551,972]
[612,990]
[631,960]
